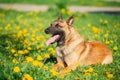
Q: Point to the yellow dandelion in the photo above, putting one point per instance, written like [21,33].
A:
[13,50]
[20,52]
[2,15]
[41,25]
[107,42]
[115,48]
[101,20]
[106,21]
[17,27]
[26,51]
[89,25]
[87,74]
[15,61]
[27,77]
[29,59]
[69,12]
[47,56]
[45,67]
[42,45]
[109,75]
[90,70]
[7,47]
[51,50]
[95,74]
[106,35]
[96,35]
[39,57]
[63,11]
[16,55]
[33,39]
[16,69]
[111,41]
[26,41]
[95,29]
[77,79]
[7,27]
[54,72]
[36,63]
[1,28]
[29,48]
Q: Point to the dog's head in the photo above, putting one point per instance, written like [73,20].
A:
[59,29]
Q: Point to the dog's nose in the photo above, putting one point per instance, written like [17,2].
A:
[47,31]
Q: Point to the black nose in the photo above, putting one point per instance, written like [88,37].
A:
[47,30]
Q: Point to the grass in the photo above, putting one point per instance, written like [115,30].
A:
[70,2]
[24,55]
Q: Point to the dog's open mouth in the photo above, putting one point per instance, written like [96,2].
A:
[53,39]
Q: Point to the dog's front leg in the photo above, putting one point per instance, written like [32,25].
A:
[60,63]
[68,68]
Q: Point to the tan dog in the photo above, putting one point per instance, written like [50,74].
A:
[72,49]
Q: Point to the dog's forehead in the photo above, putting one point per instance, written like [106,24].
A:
[58,21]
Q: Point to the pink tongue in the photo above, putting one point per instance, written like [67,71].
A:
[52,39]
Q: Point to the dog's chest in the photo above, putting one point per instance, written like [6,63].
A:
[68,48]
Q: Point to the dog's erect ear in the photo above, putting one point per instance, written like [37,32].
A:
[70,20]
[60,17]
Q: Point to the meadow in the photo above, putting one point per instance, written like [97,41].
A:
[66,2]
[25,56]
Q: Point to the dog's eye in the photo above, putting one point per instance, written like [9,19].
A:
[58,26]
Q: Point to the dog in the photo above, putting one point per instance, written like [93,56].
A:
[72,50]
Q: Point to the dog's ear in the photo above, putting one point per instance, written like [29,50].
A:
[60,17]
[70,20]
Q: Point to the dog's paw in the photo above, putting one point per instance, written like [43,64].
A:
[56,66]
[64,71]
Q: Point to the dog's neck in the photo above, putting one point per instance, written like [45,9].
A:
[72,36]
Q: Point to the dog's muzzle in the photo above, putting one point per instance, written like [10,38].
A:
[47,31]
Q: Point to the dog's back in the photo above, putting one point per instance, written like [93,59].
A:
[95,52]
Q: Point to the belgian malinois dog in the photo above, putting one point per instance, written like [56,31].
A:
[72,50]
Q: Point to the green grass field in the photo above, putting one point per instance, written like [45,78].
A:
[24,55]
[70,2]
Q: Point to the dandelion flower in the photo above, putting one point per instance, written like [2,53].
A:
[15,61]
[39,57]
[87,74]
[16,55]
[90,70]
[47,56]
[109,75]
[20,52]
[69,12]
[54,72]
[106,35]
[45,67]
[95,29]
[101,20]
[36,63]
[29,48]
[13,50]
[115,48]
[26,51]
[107,42]
[29,59]
[16,69]
[106,21]
[89,25]
[27,77]
[95,74]
[63,11]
